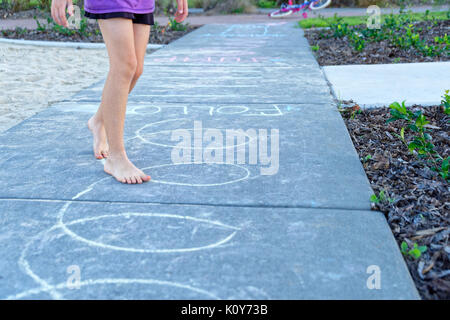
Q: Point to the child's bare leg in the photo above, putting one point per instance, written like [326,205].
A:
[141,36]
[119,39]
[95,124]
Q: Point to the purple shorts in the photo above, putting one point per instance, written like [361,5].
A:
[142,18]
[107,6]
[139,11]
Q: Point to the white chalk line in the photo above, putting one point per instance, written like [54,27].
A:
[23,263]
[75,236]
[64,226]
[247,175]
[90,282]
[139,136]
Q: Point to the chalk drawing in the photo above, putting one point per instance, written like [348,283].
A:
[75,236]
[54,290]
[120,281]
[273,110]
[247,31]
[144,137]
[244,176]
[242,109]
[61,224]
[67,227]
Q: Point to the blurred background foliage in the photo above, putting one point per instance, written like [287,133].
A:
[219,6]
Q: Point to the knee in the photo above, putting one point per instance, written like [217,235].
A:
[139,71]
[126,69]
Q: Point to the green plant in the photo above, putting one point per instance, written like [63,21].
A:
[315,48]
[340,29]
[52,25]
[400,30]
[176,26]
[421,144]
[40,27]
[445,102]
[415,252]
[381,198]
[20,31]
[357,41]
[267,3]
[45,5]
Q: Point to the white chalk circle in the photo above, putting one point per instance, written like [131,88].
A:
[148,110]
[162,138]
[240,109]
[150,229]
[187,174]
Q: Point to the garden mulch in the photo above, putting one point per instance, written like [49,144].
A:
[339,51]
[420,205]
[91,34]
[159,34]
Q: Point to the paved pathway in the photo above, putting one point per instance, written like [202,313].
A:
[381,84]
[289,220]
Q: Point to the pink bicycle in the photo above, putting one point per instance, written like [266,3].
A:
[287,9]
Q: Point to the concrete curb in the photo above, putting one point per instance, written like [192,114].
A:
[61,44]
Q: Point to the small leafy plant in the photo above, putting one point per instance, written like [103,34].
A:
[421,144]
[53,26]
[400,30]
[414,252]
[176,26]
[381,198]
[445,102]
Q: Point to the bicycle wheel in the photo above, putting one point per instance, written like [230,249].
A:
[319,4]
[280,14]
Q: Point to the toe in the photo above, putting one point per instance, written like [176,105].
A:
[128,180]
[98,156]
[133,179]
[138,179]
[144,177]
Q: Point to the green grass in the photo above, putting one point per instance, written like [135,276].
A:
[195,4]
[267,4]
[357,20]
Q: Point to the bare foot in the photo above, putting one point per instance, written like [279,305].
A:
[100,143]
[124,171]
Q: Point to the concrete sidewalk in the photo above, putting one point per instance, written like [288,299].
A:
[289,220]
[382,84]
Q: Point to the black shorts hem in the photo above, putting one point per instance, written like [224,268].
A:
[142,18]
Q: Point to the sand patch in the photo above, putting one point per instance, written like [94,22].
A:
[32,78]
